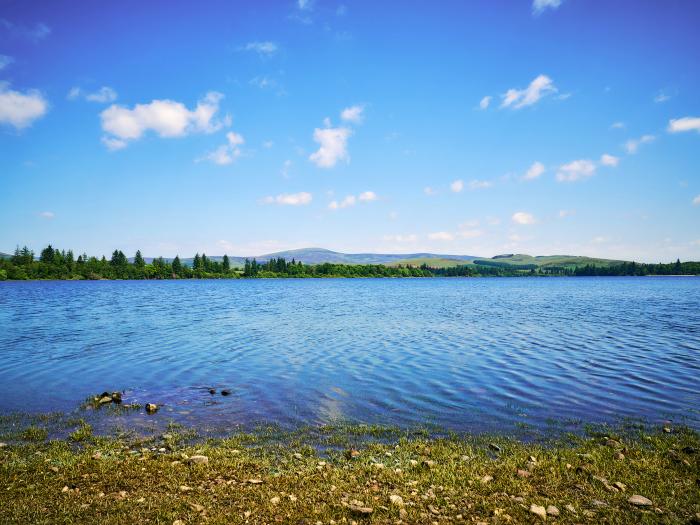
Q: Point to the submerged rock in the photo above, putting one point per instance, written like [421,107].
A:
[225,392]
[116,397]
[151,408]
[212,391]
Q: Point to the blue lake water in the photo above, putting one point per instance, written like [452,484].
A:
[464,354]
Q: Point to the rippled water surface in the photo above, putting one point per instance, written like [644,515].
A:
[466,354]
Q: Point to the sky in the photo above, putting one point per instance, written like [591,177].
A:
[475,127]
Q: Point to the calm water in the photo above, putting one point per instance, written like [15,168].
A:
[466,354]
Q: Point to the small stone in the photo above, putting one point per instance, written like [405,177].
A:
[151,408]
[428,463]
[352,453]
[53,469]
[570,508]
[185,488]
[619,456]
[667,430]
[640,501]
[116,397]
[494,447]
[523,473]
[620,486]
[486,478]
[254,481]
[275,500]
[178,522]
[359,507]
[533,459]
[197,507]
[538,510]
[65,488]
[3,445]
[212,391]
[297,455]
[396,500]
[598,503]
[199,460]
[105,399]
[553,511]
[433,510]
[225,392]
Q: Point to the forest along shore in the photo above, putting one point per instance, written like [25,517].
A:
[64,265]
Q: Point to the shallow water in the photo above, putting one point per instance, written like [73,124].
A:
[464,354]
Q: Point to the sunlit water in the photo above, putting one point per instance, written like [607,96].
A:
[463,354]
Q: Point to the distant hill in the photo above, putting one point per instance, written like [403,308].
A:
[321,255]
[5,255]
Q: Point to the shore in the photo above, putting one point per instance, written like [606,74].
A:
[353,474]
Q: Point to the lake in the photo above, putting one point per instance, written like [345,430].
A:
[484,354]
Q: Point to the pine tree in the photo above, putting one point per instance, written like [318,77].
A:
[197,263]
[47,255]
[226,265]
[177,265]
[138,260]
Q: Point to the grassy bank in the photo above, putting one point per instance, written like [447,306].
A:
[390,478]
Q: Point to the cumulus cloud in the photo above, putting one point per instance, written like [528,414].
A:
[679,125]
[661,97]
[262,48]
[5,61]
[227,153]
[411,237]
[523,218]
[534,171]
[351,200]
[479,184]
[441,236]
[576,170]
[696,201]
[21,109]
[519,98]
[333,146]
[617,125]
[103,95]
[47,215]
[290,199]
[484,103]
[632,145]
[429,191]
[457,186]
[167,118]
[539,6]
[353,114]
[566,213]
[609,160]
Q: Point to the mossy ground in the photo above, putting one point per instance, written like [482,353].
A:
[310,477]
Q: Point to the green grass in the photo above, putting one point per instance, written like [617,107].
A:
[270,476]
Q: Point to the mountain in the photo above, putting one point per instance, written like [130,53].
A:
[5,255]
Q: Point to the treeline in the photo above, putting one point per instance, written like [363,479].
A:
[63,264]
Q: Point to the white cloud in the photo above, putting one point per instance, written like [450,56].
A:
[679,125]
[523,218]
[617,125]
[353,114]
[262,48]
[36,33]
[5,61]
[469,234]
[226,246]
[632,145]
[20,109]
[333,146]
[519,98]
[226,154]
[539,6]
[348,201]
[696,201]
[429,191]
[576,170]
[479,184]
[167,118]
[285,168]
[534,171]
[484,103]
[441,236]
[367,196]
[47,215]
[661,97]
[411,237]
[566,213]
[457,186]
[102,95]
[609,160]
[113,144]
[290,199]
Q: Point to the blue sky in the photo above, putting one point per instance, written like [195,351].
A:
[481,127]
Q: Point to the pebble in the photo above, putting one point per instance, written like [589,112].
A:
[486,478]
[199,460]
[212,391]
[553,511]
[570,508]
[359,507]
[494,447]
[619,456]
[523,473]
[538,510]
[3,445]
[640,501]
[151,408]
[620,486]
[185,488]
[275,500]
[396,500]
[178,522]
